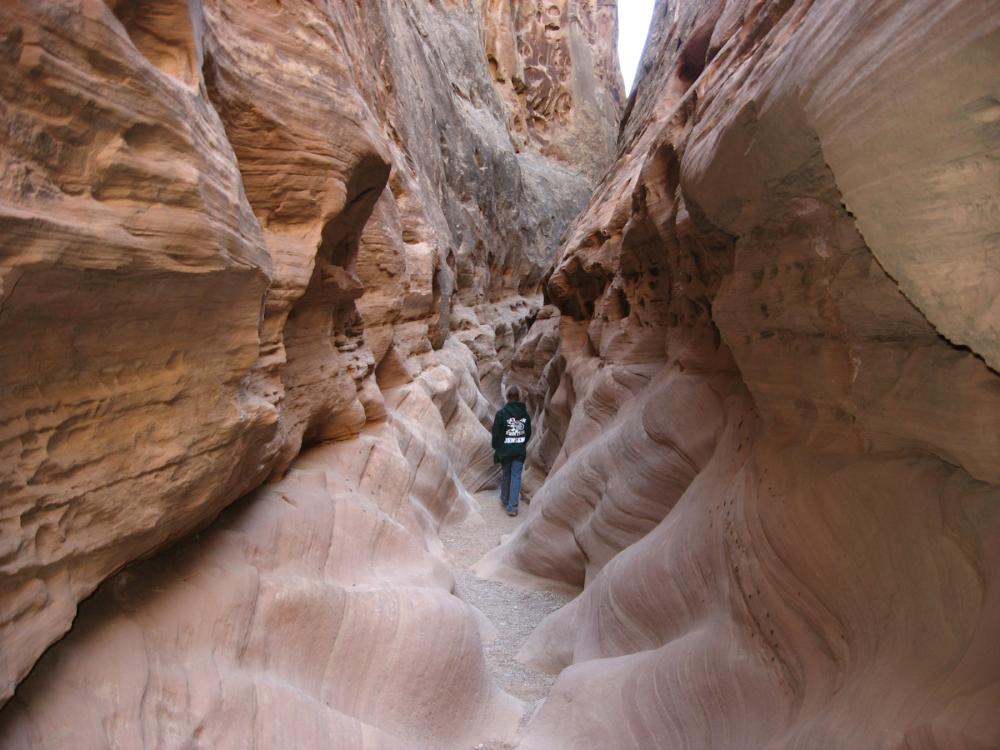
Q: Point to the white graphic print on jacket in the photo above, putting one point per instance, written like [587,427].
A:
[515,430]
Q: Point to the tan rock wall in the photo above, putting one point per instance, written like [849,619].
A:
[313,613]
[774,477]
[225,227]
[133,275]
[541,56]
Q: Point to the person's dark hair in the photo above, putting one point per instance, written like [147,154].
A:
[513,393]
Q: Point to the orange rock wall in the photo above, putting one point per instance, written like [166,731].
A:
[230,230]
[773,419]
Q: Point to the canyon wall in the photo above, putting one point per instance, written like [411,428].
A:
[232,231]
[772,420]
[266,264]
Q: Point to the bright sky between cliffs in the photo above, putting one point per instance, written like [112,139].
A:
[633,27]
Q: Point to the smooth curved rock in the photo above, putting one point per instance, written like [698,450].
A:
[813,560]
[311,614]
[230,231]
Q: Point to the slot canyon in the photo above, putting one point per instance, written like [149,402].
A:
[268,268]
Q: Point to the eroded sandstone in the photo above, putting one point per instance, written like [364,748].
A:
[766,389]
[234,231]
[773,475]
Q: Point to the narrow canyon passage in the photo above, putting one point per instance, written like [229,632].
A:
[268,270]
[513,611]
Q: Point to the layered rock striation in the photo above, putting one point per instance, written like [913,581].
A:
[312,613]
[232,231]
[765,385]
[773,416]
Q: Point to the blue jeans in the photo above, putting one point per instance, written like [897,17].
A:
[510,483]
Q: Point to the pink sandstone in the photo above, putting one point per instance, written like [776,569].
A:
[773,475]
[231,232]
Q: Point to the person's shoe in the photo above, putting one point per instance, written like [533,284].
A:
[511,512]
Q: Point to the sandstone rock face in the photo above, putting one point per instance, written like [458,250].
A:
[232,231]
[773,421]
[767,390]
[312,614]
[540,56]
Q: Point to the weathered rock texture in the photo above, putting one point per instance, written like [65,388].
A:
[773,420]
[311,614]
[540,55]
[231,230]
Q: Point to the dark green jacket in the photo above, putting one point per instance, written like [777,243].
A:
[511,430]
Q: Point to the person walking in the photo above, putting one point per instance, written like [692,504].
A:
[511,431]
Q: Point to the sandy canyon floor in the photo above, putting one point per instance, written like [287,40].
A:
[512,612]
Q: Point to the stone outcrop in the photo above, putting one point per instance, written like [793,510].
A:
[773,419]
[313,613]
[266,266]
[232,231]
[538,53]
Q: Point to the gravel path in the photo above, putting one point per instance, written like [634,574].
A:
[513,611]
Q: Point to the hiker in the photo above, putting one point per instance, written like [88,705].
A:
[511,430]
